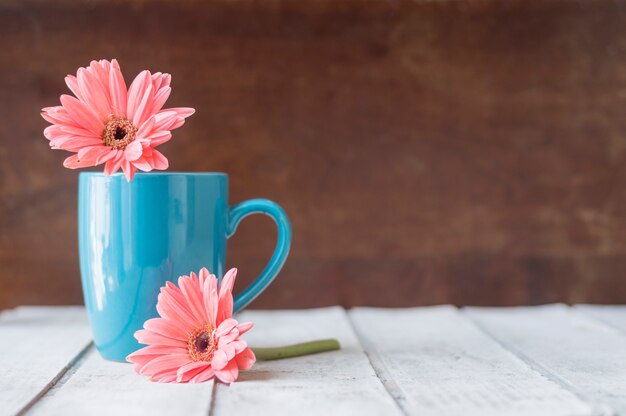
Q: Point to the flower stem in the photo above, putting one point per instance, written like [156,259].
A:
[296,350]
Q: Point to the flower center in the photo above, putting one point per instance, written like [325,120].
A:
[201,343]
[118,133]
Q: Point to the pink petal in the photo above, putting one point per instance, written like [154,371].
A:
[136,93]
[73,162]
[220,360]
[118,91]
[82,115]
[209,296]
[146,128]
[189,287]
[133,151]
[148,337]
[166,328]
[159,138]
[160,161]
[225,304]
[72,84]
[225,327]
[165,363]
[165,118]
[228,338]
[144,108]
[183,112]
[114,164]
[57,117]
[107,156]
[188,371]
[143,164]
[93,93]
[160,98]
[244,327]
[229,373]
[73,143]
[93,152]
[129,170]
[142,356]
[172,305]
[205,375]
[246,359]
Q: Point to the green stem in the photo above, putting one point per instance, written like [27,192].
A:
[296,350]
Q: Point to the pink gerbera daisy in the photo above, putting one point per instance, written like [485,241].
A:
[196,337]
[106,123]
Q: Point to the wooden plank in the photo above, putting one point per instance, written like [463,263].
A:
[100,387]
[612,315]
[437,362]
[37,345]
[334,383]
[567,346]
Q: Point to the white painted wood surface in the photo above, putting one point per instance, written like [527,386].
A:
[567,346]
[436,362]
[551,360]
[36,346]
[334,383]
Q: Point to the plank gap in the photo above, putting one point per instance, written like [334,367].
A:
[59,380]
[213,398]
[381,370]
[534,365]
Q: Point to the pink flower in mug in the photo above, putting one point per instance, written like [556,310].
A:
[107,123]
[195,337]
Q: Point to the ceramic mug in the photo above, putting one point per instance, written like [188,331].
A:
[134,236]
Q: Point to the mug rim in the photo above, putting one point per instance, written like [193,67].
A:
[147,174]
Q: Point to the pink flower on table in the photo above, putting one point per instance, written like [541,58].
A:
[107,123]
[195,337]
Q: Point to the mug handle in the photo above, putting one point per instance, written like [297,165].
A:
[261,206]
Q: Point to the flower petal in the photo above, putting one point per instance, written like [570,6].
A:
[166,328]
[133,151]
[209,295]
[229,373]
[117,89]
[73,162]
[188,371]
[246,359]
[145,336]
[165,363]
[189,287]
[82,115]
[205,375]
[225,327]
[244,327]
[220,360]
[160,161]
[225,303]
[136,93]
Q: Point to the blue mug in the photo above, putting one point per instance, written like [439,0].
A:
[134,236]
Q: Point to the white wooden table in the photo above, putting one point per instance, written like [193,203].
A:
[550,360]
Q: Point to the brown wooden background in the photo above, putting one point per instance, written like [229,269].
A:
[470,152]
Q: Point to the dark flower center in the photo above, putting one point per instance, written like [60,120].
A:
[201,343]
[118,133]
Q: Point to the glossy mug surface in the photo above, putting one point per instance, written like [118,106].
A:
[134,236]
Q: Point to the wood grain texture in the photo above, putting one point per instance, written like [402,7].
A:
[100,387]
[583,354]
[437,362]
[333,383]
[471,151]
[37,346]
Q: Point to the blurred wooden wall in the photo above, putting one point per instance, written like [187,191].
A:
[470,152]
